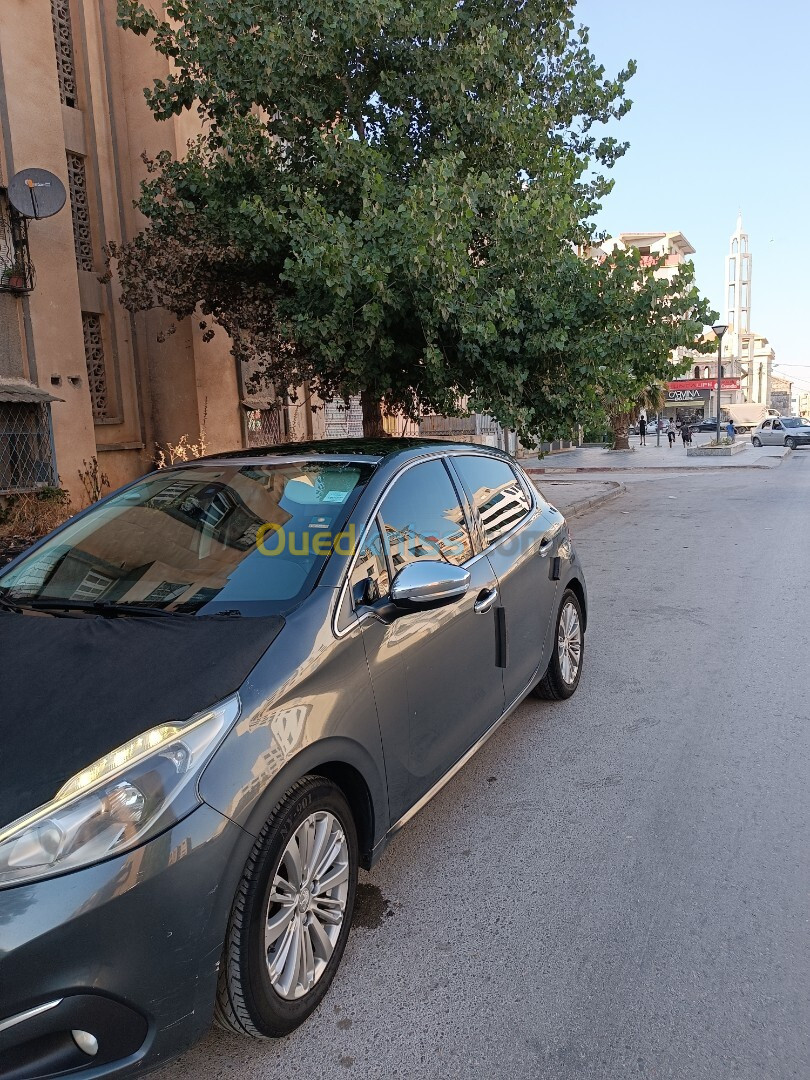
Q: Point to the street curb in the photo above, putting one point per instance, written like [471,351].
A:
[540,469]
[582,505]
[654,468]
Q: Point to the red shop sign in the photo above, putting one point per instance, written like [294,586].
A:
[703,384]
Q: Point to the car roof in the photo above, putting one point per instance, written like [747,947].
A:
[368,449]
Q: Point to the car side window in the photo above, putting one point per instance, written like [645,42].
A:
[369,579]
[496,493]
[777,426]
[423,518]
[766,426]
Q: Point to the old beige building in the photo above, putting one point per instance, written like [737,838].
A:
[80,377]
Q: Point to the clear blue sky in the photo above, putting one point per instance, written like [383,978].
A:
[720,122]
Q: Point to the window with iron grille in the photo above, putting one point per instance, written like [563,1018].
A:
[92,587]
[263,427]
[65,60]
[342,420]
[96,366]
[25,447]
[82,236]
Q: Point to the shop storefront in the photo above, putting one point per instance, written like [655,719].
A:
[690,400]
[688,406]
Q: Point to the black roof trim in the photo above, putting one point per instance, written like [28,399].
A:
[378,449]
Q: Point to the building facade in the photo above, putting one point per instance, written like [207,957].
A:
[781,397]
[688,397]
[651,246]
[79,376]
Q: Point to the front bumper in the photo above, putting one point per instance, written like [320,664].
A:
[126,952]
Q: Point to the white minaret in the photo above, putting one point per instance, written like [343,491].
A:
[738,343]
[738,283]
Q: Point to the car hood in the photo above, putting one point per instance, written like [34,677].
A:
[73,689]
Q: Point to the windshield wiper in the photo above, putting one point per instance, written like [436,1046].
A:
[9,605]
[99,607]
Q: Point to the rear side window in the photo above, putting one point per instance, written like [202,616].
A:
[496,493]
[423,519]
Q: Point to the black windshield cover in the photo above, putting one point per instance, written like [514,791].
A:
[73,689]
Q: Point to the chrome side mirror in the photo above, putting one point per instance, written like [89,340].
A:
[428,584]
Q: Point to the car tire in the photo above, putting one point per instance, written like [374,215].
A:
[790,444]
[285,940]
[756,441]
[560,680]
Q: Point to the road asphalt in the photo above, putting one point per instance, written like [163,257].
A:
[615,886]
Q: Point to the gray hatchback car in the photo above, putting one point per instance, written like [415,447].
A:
[260,666]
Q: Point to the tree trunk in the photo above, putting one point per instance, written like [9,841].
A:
[372,416]
[621,440]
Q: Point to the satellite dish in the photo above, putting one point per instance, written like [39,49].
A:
[36,193]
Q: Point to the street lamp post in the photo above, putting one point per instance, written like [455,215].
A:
[719,330]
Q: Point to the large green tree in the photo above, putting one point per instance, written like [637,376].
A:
[383,199]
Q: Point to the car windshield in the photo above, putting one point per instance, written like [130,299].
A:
[795,421]
[200,538]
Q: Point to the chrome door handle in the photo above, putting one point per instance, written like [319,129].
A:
[485,601]
[545,547]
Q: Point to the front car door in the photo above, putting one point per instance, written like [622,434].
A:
[520,534]
[435,673]
[778,436]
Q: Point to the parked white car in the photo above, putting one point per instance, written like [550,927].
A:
[789,431]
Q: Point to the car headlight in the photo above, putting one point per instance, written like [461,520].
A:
[118,802]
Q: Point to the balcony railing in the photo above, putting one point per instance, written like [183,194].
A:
[16,269]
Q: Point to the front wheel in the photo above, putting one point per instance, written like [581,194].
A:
[756,441]
[565,666]
[790,444]
[291,915]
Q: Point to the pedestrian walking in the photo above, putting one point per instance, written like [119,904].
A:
[642,430]
[731,431]
[671,432]
[686,435]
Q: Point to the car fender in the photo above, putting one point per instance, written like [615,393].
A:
[270,775]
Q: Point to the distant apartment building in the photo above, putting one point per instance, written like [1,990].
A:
[651,246]
[687,397]
[80,377]
[804,403]
[781,397]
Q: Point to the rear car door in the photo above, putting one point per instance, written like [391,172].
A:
[435,673]
[520,534]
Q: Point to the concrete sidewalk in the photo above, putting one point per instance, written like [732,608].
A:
[597,459]
[573,497]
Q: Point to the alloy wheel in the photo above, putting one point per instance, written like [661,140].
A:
[307,905]
[569,642]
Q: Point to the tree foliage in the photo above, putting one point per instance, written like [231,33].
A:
[384,198]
